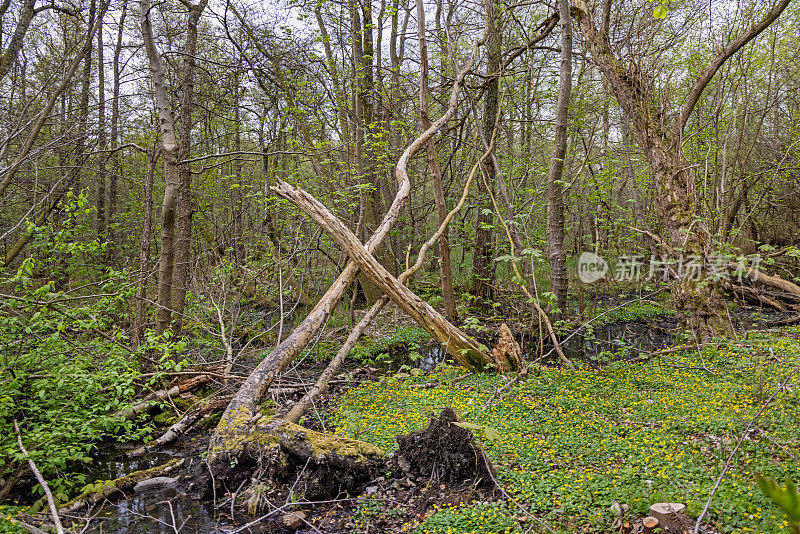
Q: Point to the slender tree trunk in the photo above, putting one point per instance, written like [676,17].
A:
[9,55]
[446,276]
[169,148]
[483,260]
[556,254]
[101,138]
[112,186]
[144,251]
[183,239]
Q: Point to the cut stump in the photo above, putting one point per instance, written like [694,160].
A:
[671,516]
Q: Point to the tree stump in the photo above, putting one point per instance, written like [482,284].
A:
[671,516]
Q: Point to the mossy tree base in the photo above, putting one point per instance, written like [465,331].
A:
[312,465]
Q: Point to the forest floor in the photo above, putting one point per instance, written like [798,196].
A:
[575,451]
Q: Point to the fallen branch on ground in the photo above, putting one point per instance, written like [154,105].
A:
[94,493]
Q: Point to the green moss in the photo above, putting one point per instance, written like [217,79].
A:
[102,489]
[165,419]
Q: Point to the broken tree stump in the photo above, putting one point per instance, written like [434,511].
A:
[507,354]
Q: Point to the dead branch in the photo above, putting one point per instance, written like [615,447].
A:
[164,394]
[464,350]
[183,425]
[42,482]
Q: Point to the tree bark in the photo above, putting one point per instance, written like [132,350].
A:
[183,232]
[169,149]
[556,254]
[144,252]
[464,350]
[446,275]
[483,260]
[101,138]
[9,56]
[112,186]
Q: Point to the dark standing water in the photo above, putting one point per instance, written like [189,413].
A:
[157,511]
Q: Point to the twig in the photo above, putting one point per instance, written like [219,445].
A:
[50,502]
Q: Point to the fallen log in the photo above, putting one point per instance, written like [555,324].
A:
[750,294]
[103,489]
[324,379]
[164,394]
[243,406]
[198,412]
[762,278]
[463,349]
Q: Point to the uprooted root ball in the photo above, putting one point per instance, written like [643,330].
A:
[444,453]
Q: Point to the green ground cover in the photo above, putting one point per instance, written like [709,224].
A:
[568,444]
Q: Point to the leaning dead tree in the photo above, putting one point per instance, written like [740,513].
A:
[461,347]
[242,410]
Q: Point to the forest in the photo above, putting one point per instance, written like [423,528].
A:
[429,266]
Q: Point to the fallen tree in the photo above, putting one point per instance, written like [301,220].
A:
[242,409]
[322,383]
[461,347]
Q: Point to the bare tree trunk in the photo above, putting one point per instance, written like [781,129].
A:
[169,147]
[83,109]
[483,260]
[446,275]
[556,254]
[101,138]
[112,186]
[183,238]
[144,251]
[9,56]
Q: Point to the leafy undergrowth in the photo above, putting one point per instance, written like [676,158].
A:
[569,444]
[634,311]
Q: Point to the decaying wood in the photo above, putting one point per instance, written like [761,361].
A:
[164,394]
[775,282]
[186,422]
[463,349]
[507,355]
[101,490]
[242,407]
[323,381]
[752,295]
